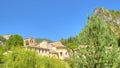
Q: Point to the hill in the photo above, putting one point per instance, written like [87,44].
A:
[38,40]
[6,36]
[111,18]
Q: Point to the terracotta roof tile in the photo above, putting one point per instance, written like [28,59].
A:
[58,45]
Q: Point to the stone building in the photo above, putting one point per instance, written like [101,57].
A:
[29,42]
[55,49]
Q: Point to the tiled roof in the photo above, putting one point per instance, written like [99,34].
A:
[58,45]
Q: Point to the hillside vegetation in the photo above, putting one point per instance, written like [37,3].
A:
[111,19]
[39,40]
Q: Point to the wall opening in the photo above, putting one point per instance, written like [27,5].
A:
[60,53]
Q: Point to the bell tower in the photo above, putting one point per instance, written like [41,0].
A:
[29,42]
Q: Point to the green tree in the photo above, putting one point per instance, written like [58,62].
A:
[101,50]
[72,46]
[14,41]
[2,50]
[2,40]
[71,42]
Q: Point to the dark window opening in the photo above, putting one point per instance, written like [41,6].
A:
[42,51]
[39,50]
[60,53]
[31,41]
[27,43]
[66,53]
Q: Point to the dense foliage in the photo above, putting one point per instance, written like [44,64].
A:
[71,42]
[2,40]
[21,58]
[101,49]
[2,50]
[14,41]
[96,33]
[111,19]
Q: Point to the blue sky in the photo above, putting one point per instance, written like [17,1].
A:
[52,19]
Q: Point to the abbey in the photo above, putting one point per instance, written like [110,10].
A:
[54,49]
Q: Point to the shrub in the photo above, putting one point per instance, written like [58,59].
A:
[21,58]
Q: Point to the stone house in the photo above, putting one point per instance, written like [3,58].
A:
[55,49]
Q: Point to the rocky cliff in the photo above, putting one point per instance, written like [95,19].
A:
[6,36]
[111,19]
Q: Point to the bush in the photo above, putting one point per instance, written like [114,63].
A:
[21,58]
[14,41]
[2,50]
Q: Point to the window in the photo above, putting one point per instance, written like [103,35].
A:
[26,42]
[31,41]
[66,53]
[60,53]
[42,51]
[45,51]
[39,50]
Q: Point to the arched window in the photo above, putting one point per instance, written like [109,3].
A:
[31,41]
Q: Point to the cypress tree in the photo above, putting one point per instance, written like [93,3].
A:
[101,50]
